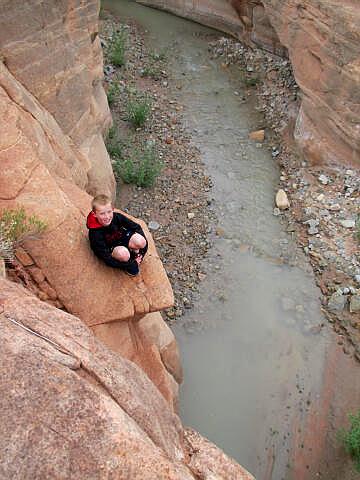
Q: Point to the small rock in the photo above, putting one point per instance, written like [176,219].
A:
[153,225]
[313,230]
[23,257]
[323,179]
[337,302]
[320,197]
[258,135]
[335,207]
[355,303]
[190,215]
[276,212]
[281,200]
[357,279]
[347,223]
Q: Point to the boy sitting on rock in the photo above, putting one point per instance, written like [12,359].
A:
[114,238]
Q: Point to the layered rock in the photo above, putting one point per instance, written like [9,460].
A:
[54,52]
[322,39]
[71,408]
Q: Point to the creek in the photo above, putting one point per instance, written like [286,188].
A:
[263,378]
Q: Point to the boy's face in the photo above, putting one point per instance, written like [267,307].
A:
[104,214]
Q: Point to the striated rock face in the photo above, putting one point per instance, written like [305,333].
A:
[322,40]
[54,53]
[71,408]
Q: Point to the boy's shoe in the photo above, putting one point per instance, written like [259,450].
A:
[132,270]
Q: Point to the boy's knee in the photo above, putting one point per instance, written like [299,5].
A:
[137,241]
[121,253]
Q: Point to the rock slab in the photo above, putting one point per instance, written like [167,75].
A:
[71,408]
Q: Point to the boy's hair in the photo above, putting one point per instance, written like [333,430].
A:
[100,201]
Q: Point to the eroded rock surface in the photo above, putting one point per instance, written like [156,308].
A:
[71,408]
[43,171]
[54,53]
[322,39]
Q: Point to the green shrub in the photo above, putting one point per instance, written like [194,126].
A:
[138,109]
[15,228]
[114,145]
[112,93]
[151,70]
[158,56]
[117,49]
[351,439]
[141,167]
[251,81]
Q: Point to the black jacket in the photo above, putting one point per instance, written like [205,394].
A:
[104,239]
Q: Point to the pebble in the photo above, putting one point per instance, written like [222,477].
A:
[153,225]
[281,200]
[258,135]
[276,212]
[337,302]
[355,303]
[190,215]
[347,223]
[323,179]
[313,224]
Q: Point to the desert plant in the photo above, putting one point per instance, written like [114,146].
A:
[112,93]
[251,81]
[117,49]
[114,144]
[141,167]
[15,228]
[138,109]
[351,439]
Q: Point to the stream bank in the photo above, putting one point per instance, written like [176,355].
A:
[261,369]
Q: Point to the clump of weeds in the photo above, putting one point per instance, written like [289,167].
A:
[138,109]
[140,165]
[350,438]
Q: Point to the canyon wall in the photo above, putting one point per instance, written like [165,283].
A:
[53,50]
[322,40]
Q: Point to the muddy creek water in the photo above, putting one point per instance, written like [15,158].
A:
[256,363]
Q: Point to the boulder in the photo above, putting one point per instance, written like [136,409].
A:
[71,408]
